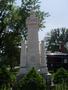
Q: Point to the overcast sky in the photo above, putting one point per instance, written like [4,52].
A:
[58,10]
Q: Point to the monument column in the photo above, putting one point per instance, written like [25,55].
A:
[43,65]
[23,57]
[32,40]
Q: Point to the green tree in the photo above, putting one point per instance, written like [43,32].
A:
[32,81]
[9,39]
[57,39]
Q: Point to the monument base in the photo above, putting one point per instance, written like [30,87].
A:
[24,70]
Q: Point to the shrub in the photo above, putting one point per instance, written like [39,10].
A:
[61,76]
[31,81]
[5,77]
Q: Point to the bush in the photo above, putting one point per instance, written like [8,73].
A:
[61,76]
[5,77]
[32,81]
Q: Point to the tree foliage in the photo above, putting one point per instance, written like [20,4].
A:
[57,39]
[9,39]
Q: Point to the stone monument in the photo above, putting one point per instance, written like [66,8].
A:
[31,55]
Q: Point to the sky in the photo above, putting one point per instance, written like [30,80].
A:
[58,10]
